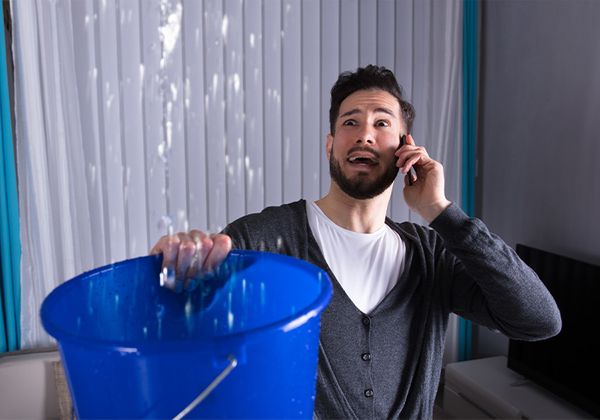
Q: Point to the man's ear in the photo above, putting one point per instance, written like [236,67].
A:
[329,146]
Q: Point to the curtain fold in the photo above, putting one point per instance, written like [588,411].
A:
[469,138]
[137,118]
[9,218]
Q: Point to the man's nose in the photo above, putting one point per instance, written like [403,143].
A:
[366,135]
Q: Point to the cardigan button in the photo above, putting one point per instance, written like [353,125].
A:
[369,393]
[366,321]
[366,356]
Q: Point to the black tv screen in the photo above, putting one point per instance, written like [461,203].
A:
[569,363]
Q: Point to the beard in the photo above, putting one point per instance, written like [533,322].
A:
[360,187]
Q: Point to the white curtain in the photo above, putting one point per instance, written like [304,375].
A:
[135,118]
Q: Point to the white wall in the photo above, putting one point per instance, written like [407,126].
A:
[539,129]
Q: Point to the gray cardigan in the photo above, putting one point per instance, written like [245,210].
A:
[387,364]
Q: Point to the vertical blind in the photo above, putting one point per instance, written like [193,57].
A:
[136,118]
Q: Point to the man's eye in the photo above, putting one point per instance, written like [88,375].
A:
[349,122]
[382,123]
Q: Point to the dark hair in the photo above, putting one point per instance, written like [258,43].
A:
[368,78]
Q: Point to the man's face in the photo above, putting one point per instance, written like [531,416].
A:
[367,134]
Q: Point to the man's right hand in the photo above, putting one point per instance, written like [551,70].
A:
[189,255]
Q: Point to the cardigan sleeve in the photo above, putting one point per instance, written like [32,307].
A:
[490,284]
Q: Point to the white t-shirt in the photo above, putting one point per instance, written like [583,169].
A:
[366,265]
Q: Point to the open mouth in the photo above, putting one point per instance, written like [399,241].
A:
[368,160]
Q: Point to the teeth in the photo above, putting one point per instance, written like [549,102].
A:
[360,159]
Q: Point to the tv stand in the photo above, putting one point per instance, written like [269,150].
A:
[486,388]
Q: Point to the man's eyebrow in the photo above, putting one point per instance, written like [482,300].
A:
[351,112]
[385,111]
[357,111]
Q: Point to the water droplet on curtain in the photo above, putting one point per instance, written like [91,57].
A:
[215,84]
[166,223]
[187,92]
[173,91]
[182,221]
[225,26]
[169,32]
[163,151]
[236,82]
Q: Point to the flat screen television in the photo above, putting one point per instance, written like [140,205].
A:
[569,363]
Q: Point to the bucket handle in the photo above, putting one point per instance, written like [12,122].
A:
[205,393]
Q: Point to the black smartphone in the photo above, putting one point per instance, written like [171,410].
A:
[412,175]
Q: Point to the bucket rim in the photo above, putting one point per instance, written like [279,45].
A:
[284,324]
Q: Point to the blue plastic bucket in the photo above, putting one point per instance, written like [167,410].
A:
[242,345]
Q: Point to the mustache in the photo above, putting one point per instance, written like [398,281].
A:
[364,149]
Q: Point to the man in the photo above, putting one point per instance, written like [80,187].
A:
[395,284]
